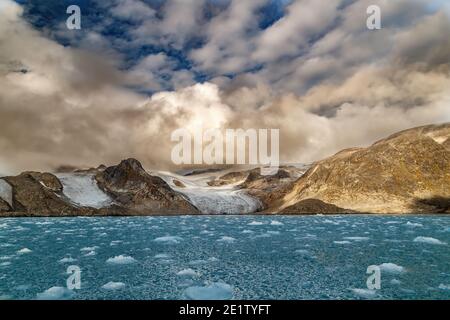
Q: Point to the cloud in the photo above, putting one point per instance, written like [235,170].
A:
[329,86]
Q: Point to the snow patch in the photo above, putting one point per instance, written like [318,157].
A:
[83,190]
[6,193]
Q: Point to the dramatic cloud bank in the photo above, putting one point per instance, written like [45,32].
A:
[316,73]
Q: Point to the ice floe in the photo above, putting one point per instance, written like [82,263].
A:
[226,239]
[55,293]
[414,225]
[67,260]
[24,251]
[113,285]
[444,286]
[255,223]
[365,293]
[276,223]
[214,291]
[187,273]
[429,240]
[342,242]
[169,239]
[390,267]
[121,259]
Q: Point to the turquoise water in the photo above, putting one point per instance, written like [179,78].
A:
[226,257]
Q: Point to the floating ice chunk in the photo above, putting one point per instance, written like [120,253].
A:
[414,225]
[113,285]
[429,240]
[365,293]
[255,223]
[162,256]
[276,223]
[226,239]
[24,251]
[5,264]
[247,231]
[214,291]
[187,273]
[3,225]
[444,286]
[302,251]
[67,260]
[197,262]
[395,281]
[357,238]
[169,239]
[213,259]
[342,242]
[89,248]
[121,260]
[391,268]
[90,254]
[55,293]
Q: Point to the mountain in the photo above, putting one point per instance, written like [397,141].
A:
[408,172]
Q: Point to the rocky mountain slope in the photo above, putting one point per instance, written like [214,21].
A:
[408,172]
[125,189]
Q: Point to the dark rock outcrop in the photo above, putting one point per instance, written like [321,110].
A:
[141,193]
[314,206]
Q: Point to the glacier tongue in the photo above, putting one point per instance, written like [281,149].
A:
[82,190]
[212,200]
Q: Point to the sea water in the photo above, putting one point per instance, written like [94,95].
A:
[225,257]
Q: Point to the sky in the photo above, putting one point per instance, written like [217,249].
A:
[139,69]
